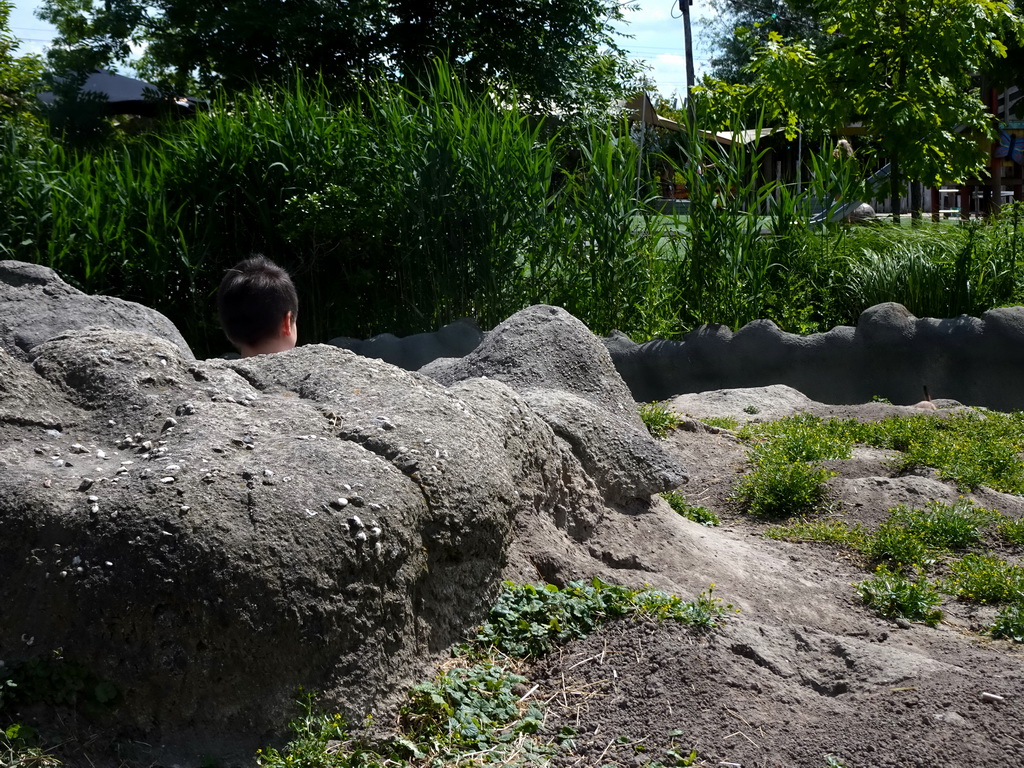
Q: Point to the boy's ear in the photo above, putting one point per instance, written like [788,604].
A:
[286,324]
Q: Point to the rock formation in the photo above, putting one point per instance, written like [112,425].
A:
[35,304]
[204,537]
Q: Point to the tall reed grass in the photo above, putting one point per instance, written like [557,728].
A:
[400,211]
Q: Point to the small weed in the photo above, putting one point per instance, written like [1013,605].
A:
[467,710]
[985,579]
[886,401]
[18,751]
[1009,624]
[674,759]
[1012,531]
[893,596]
[780,488]
[698,514]
[722,422]
[826,531]
[753,410]
[831,761]
[658,419]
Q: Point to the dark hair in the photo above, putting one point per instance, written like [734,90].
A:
[253,299]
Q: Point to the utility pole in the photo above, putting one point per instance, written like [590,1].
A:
[684,6]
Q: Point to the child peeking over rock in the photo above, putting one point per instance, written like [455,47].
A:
[258,307]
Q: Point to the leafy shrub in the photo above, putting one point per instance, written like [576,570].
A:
[985,579]
[779,487]
[698,514]
[892,595]
[658,419]
[1009,623]
[894,544]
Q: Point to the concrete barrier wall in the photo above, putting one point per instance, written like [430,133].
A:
[890,354]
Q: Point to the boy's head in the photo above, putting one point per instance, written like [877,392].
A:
[258,307]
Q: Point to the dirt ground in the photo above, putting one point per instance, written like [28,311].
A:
[804,676]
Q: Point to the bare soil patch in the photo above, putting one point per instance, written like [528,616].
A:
[805,676]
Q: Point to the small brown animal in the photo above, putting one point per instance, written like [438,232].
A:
[927,403]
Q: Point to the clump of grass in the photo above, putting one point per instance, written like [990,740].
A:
[826,531]
[1012,531]
[915,537]
[17,749]
[699,514]
[780,487]
[1009,624]
[658,419]
[985,579]
[897,546]
[893,595]
[722,422]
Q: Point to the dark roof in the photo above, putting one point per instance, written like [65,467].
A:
[130,96]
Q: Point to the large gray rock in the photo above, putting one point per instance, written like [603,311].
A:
[35,305]
[208,536]
[566,374]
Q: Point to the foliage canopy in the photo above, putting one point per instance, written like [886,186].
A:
[555,51]
[902,69]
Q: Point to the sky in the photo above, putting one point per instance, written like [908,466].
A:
[654,30]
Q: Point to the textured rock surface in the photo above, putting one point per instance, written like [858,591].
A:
[35,304]
[567,376]
[210,535]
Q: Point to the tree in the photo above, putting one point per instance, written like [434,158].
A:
[901,68]
[740,27]
[18,74]
[553,50]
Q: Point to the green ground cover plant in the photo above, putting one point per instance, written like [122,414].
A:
[471,713]
[1012,531]
[893,595]
[825,531]
[971,448]
[659,419]
[697,513]
[780,486]
[913,542]
[985,579]
[1009,623]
